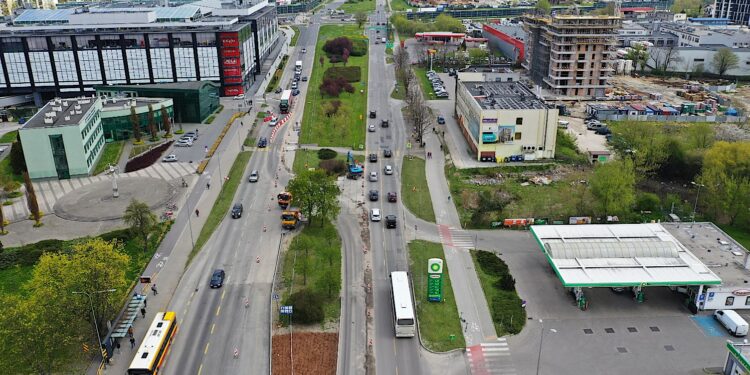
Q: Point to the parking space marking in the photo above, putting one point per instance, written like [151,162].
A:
[709,325]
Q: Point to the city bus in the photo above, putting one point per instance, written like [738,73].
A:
[286,101]
[155,345]
[403,308]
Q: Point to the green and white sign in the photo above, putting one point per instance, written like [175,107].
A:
[435,280]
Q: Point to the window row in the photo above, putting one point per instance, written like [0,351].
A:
[111,41]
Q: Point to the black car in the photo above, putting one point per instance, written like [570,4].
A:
[262,142]
[603,131]
[441,120]
[374,195]
[295,92]
[387,153]
[373,114]
[217,279]
[392,196]
[384,124]
[278,90]
[390,221]
[373,158]
[237,211]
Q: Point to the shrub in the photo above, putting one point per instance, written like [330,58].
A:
[307,307]
[491,264]
[148,158]
[29,255]
[647,202]
[508,312]
[349,73]
[333,166]
[333,86]
[326,154]
[359,47]
[337,46]
[505,282]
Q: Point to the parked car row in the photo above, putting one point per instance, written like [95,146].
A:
[437,84]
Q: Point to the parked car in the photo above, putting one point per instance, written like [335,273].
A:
[253,176]
[239,97]
[170,158]
[603,130]
[184,143]
[374,195]
[732,321]
[392,197]
[193,135]
[237,211]
[304,79]
[217,278]
[441,94]
[441,120]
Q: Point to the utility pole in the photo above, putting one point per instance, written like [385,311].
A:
[93,315]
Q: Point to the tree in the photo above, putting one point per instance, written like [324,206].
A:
[664,58]
[444,22]
[724,60]
[478,55]
[360,18]
[608,10]
[2,223]
[543,7]
[329,281]
[639,55]
[140,219]
[336,46]
[693,8]
[17,160]
[135,122]
[613,186]
[165,123]
[152,124]
[31,200]
[316,194]
[322,60]
[726,181]
[345,56]
[644,144]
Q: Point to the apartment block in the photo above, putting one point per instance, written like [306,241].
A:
[571,55]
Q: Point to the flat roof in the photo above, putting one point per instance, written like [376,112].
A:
[608,255]
[74,109]
[503,95]
[717,250]
[113,104]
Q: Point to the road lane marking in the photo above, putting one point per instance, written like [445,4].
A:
[222,294]
[218,310]
[200,368]
[205,351]
[212,328]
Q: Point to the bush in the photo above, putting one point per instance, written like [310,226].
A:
[326,154]
[147,159]
[333,167]
[359,47]
[505,282]
[491,264]
[647,202]
[349,73]
[337,46]
[307,307]
[508,312]
[333,86]
[29,255]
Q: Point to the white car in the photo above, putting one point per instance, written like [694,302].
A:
[371,128]
[253,176]
[273,121]
[239,97]
[375,214]
[170,158]
[184,143]
[304,50]
[373,176]
[388,169]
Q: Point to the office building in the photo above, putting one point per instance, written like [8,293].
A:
[65,52]
[64,139]
[738,11]
[571,55]
[504,121]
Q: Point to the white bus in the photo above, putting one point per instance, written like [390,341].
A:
[403,308]
[153,350]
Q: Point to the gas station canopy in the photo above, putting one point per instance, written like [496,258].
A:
[618,255]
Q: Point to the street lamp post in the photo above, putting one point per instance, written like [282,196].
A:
[541,341]
[697,194]
[93,315]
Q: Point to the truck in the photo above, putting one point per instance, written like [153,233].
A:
[298,66]
[355,170]
[291,218]
[284,199]
[286,101]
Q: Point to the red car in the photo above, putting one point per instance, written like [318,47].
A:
[391,196]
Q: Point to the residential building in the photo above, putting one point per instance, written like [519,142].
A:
[738,11]
[64,139]
[571,55]
[67,51]
[504,121]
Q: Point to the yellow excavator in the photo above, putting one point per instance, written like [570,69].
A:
[291,218]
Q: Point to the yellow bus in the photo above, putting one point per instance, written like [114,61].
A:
[155,345]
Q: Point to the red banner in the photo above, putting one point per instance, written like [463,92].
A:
[232,80]
[230,52]
[229,40]
[231,61]
[232,72]
[233,90]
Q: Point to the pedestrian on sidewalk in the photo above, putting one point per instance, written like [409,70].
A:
[205,148]
[197,213]
[143,311]
[130,331]
[153,288]
[208,185]
[132,342]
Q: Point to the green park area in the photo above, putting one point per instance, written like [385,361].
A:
[9,137]
[110,155]
[357,6]
[336,99]
[331,161]
[400,5]
[414,190]
[499,288]
[439,322]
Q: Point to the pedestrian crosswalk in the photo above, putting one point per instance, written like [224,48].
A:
[49,191]
[456,237]
[490,358]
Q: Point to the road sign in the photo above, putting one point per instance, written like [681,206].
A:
[435,280]
[286,310]
[275,296]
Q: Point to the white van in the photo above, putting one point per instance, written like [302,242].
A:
[562,124]
[732,321]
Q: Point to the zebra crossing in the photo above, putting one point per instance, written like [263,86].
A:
[49,191]
[491,358]
[456,237]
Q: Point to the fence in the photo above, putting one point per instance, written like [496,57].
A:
[662,118]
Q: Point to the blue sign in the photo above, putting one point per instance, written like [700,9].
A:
[701,297]
[275,296]
[286,310]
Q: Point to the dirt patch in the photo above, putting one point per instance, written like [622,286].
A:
[306,353]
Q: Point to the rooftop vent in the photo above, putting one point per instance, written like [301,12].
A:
[48,121]
[65,103]
[67,118]
[57,109]
[79,112]
[77,106]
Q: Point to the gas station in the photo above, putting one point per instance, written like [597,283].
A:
[624,257]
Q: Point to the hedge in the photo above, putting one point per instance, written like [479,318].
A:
[326,154]
[349,73]
[147,159]
[359,47]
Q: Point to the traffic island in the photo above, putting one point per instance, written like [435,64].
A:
[414,190]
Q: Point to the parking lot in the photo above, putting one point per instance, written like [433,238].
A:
[587,140]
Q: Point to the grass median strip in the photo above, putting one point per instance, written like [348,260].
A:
[223,202]
[439,322]
[356,6]
[309,159]
[499,289]
[414,190]
[293,42]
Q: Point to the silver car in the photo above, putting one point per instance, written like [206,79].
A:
[253,176]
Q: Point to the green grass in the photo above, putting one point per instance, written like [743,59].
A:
[210,119]
[139,149]
[401,94]
[421,74]
[738,234]
[293,42]
[9,137]
[316,127]
[414,190]
[223,202]
[356,6]
[312,243]
[309,159]
[505,307]
[389,52]
[437,320]
[400,5]
[6,170]
[110,155]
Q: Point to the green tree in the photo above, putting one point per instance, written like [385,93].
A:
[613,186]
[478,55]
[17,160]
[693,8]
[152,124]
[639,55]
[700,135]
[135,123]
[140,219]
[316,194]
[644,143]
[726,179]
[166,125]
[543,7]
[608,10]
[360,18]
[724,60]
[329,281]
[31,200]
[444,22]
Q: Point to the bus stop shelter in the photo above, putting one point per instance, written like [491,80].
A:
[620,256]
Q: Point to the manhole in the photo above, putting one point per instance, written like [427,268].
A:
[622,349]
[669,348]
[588,331]
[609,330]
[632,329]
[655,329]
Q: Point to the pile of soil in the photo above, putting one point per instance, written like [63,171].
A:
[314,353]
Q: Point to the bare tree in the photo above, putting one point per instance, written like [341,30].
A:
[418,112]
[664,58]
